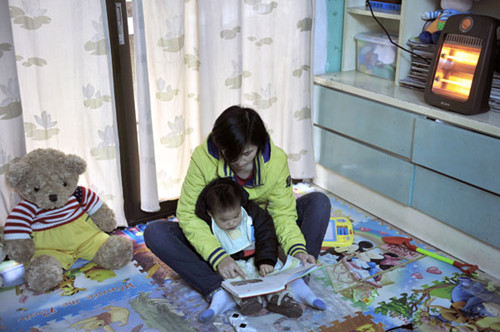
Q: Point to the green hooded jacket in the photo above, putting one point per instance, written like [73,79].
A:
[270,187]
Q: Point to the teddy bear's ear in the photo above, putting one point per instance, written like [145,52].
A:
[16,171]
[75,164]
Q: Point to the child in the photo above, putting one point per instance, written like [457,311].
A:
[246,232]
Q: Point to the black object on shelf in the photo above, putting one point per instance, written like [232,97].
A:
[419,66]
[461,73]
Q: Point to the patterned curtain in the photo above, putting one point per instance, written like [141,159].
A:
[168,97]
[55,91]
[204,56]
[258,54]
[195,59]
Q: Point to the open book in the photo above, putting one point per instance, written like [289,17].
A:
[271,283]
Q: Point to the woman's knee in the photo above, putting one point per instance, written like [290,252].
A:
[159,230]
[150,230]
[320,202]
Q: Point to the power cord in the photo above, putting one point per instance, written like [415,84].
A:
[389,36]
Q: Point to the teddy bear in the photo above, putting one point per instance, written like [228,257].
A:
[432,31]
[57,221]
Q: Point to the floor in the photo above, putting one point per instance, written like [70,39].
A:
[420,225]
[367,286]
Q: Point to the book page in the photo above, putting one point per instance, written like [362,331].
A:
[271,283]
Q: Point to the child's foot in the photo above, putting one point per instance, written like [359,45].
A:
[221,301]
[284,304]
[303,293]
[250,305]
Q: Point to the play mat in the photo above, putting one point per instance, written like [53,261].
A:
[368,286]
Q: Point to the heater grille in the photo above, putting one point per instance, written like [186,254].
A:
[456,66]
[461,71]
[462,40]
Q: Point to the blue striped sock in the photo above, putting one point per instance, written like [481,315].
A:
[302,293]
[221,302]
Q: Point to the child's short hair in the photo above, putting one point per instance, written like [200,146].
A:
[223,194]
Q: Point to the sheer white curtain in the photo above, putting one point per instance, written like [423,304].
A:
[204,56]
[168,102]
[196,58]
[11,123]
[56,91]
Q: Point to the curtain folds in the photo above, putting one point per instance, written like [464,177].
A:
[193,59]
[65,91]
[257,54]
[149,193]
[204,56]
[12,144]
[169,50]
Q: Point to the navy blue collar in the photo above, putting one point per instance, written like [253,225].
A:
[212,149]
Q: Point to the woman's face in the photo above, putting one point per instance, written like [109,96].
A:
[245,160]
[229,219]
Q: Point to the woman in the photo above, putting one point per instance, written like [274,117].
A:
[239,147]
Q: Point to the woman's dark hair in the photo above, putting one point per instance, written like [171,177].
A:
[237,127]
[223,194]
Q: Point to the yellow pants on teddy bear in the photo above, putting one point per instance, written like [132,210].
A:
[80,238]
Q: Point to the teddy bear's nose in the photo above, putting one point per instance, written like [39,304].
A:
[53,198]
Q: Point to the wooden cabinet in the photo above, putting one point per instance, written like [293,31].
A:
[458,153]
[472,210]
[386,138]
[380,146]
[366,141]
[372,123]
[368,166]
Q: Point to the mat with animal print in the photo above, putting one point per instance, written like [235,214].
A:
[369,285]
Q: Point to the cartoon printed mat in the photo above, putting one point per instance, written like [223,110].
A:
[369,286]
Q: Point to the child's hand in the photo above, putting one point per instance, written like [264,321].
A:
[305,258]
[265,269]
[228,268]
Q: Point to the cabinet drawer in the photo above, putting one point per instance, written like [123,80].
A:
[378,124]
[462,154]
[474,211]
[372,168]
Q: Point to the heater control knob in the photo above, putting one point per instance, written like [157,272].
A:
[466,24]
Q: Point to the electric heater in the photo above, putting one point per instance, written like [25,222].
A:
[461,71]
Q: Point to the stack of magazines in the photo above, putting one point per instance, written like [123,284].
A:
[495,92]
[419,69]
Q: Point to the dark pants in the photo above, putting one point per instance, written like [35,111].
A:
[166,240]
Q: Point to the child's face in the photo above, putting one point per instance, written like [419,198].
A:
[228,219]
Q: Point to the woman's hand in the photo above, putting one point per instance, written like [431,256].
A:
[265,269]
[305,258]
[228,268]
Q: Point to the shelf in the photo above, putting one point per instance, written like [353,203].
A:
[382,13]
[384,91]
